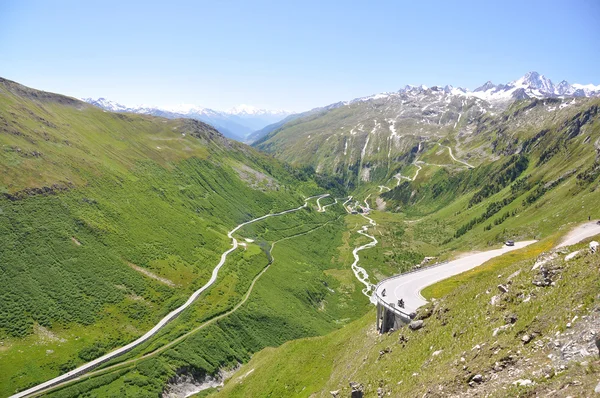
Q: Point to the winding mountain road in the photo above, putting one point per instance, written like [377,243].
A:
[321,209]
[580,233]
[455,159]
[408,286]
[360,273]
[172,315]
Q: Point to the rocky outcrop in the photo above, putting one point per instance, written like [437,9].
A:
[45,191]
[357,390]
[415,325]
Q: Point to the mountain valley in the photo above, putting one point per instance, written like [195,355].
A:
[237,123]
[116,216]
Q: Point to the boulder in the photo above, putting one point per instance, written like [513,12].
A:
[526,338]
[523,382]
[357,390]
[335,393]
[477,378]
[503,288]
[415,325]
[511,318]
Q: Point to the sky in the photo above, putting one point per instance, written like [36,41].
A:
[293,55]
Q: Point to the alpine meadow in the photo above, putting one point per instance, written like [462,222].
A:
[429,241]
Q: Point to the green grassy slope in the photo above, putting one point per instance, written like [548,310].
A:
[110,219]
[549,185]
[403,363]
[305,292]
[115,219]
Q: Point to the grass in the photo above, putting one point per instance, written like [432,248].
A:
[161,195]
[293,299]
[401,363]
[120,189]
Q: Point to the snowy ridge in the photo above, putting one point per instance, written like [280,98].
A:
[184,109]
[237,123]
[531,85]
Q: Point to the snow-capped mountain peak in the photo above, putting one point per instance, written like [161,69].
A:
[534,80]
[586,90]
[184,108]
[237,123]
[249,110]
[106,104]
[531,85]
[487,86]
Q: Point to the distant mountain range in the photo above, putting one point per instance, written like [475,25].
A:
[249,124]
[532,85]
[374,138]
[236,123]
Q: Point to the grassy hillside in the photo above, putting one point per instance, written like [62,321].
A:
[460,339]
[545,179]
[304,293]
[112,219]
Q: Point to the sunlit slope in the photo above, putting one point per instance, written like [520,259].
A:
[541,178]
[373,139]
[109,219]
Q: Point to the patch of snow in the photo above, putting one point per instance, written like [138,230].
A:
[457,120]
[364,150]
[589,87]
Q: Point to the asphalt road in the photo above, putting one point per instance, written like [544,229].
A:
[408,286]
[580,233]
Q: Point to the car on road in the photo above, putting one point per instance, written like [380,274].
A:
[510,243]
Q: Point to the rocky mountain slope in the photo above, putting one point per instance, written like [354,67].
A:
[375,138]
[236,123]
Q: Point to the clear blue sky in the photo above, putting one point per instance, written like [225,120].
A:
[289,54]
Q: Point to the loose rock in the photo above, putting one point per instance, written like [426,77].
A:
[511,318]
[415,325]
[477,378]
[357,390]
[523,382]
